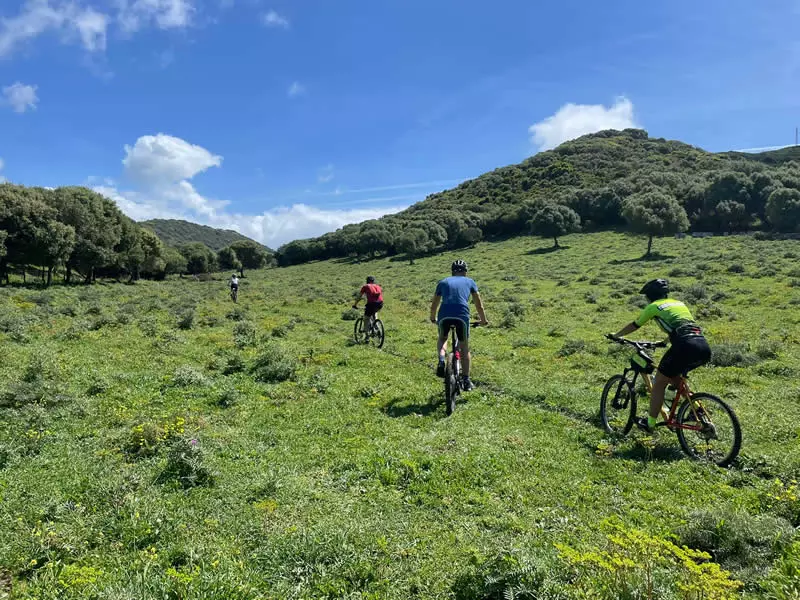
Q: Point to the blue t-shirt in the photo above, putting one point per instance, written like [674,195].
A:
[455,292]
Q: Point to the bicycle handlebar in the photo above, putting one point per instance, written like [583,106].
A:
[638,345]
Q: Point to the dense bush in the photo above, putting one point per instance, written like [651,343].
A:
[273,364]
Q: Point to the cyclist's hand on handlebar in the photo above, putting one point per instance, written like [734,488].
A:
[433,320]
[612,337]
[662,344]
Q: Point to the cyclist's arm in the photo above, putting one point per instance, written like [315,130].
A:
[360,296]
[629,328]
[476,298]
[434,307]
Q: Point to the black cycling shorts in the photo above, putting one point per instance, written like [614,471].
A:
[462,328]
[371,308]
[684,355]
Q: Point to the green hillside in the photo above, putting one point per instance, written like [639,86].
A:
[157,441]
[176,232]
[605,178]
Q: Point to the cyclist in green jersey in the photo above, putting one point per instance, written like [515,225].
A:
[689,348]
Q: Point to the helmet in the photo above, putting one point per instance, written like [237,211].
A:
[234,275]
[655,289]
[459,266]
[370,279]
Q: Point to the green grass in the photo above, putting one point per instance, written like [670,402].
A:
[252,451]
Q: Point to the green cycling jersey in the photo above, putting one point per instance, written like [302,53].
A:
[670,315]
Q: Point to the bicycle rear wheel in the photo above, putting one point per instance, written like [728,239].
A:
[450,386]
[618,405]
[358,334]
[716,437]
[377,335]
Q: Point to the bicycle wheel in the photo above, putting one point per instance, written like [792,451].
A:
[234,295]
[358,335]
[618,405]
[377,333]
[450,386]
[716,437]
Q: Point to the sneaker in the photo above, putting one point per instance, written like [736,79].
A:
[641,423]
[440,369]
[466,384]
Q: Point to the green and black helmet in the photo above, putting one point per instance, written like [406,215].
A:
[655,289]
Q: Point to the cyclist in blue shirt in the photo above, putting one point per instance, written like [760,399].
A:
[453,294]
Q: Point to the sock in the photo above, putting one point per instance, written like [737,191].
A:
[440,357]
[651,421]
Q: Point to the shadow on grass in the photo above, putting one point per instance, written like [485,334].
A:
[653,257]
[396,409]
[644,452]
[546,250]
[540,401]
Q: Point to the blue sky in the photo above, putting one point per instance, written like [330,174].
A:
[287,119]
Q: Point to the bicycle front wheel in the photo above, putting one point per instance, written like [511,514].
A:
[358,331]
[711,432]
[378,333]
[618,405]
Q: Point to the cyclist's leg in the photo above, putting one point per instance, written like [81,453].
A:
[441,343]
[669,371]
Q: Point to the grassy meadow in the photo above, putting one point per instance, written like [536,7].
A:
[157,441]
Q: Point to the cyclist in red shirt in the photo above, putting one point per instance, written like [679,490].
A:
[374,295]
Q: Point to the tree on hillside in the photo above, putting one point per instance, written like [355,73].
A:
[732,215]
[413,243]
[175,263]
[783,209]
[655,213]
[250,254]
[374,237]
[227,260]
[553,221]
[56,245]
[154,261]
[469,237]
[199,257]
[3,236]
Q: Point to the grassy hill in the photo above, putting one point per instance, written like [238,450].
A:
[149,450]
[175,232]
[595,176]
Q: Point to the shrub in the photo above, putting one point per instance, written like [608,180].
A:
[571,347]
[509,577]
[591,297]
[228,397]
[101,321]
[283,330]
[237,314]
[732,355]
[273,365]
[234,364]
[244,334]
[149,326]
[768,350]
[97,386]
[185,464]
[350,314]
[525,343]
[695,292]
[736,540]
[186,319]
[736,268]
[186,375]
[783,582]
[146,439]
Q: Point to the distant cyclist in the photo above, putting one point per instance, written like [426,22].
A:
[689,348]
[374,295]
[234,285]
[453,293]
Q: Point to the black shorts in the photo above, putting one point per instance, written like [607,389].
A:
[684,355]
[371,308]
[462,328]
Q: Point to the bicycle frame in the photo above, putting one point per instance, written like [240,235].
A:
[683,391]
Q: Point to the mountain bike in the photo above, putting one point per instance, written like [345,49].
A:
[707,427]
[234,294]
[452,371]
[372,333]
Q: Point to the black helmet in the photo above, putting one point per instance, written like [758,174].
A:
[655,289]
[370,279]
[459,266]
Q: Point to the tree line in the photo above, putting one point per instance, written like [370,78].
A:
[609,180]
[83,235]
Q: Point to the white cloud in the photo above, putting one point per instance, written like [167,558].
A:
[165,14]
[20,97]
[39,16]
[763,149]
[161,159]
[92,26]
[325,174]
[574,120]
[162,166]
[296,89]
[273,19]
